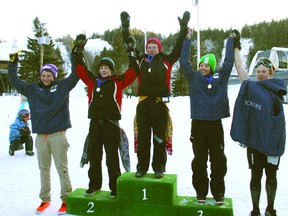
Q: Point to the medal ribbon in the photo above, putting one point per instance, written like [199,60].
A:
[99,81]
[209,79]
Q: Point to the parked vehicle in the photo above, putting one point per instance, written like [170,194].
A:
[279,57]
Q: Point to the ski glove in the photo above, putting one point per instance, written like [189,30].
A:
[130,44]
[125,20]
[14,57]
[25,131]
[236,35]
[184,21]
[79,43]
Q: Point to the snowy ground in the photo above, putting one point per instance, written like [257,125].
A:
[19,175]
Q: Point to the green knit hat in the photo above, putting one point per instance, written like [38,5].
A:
[209,59]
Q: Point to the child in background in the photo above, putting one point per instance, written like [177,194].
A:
[20,133]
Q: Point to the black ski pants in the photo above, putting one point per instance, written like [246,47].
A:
[207,139]
[152,117]
[103,133]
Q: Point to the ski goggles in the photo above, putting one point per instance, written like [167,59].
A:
[264,61]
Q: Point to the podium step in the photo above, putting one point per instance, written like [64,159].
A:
[146,196]
[147,190]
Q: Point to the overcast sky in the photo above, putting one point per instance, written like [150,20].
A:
[72,17]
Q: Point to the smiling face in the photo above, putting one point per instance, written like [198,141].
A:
[264,69]
[263,73]
[152,48]
[47,77]
[105,70]
[205,69]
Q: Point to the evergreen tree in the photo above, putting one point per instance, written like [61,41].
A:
[31,63]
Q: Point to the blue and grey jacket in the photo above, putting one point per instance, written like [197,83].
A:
[208,103]
[258,118]
[49,107]
[15,127]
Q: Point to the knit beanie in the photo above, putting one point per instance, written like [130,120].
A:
[209,59]
[107,61]
[50,67]
[156,41]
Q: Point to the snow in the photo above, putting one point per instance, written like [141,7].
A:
[20,181]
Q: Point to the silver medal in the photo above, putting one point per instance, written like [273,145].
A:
[149,70]
[209,86]
[98,89]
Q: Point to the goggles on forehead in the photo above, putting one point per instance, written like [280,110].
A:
[264,61]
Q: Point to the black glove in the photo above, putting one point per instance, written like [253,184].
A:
[25,131]
[125,21]
[236,35]
[79,43]
[130,45]
[184,21]
[14,57]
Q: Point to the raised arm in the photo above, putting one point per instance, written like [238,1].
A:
[237,57]
[238,65]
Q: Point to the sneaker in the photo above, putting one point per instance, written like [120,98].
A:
[11,153]
[201,199]
[158,174]
[90,192]
[62,209]
[254,213]
[219,200]
[42,207]
[140,174]
[30,153]
[113,195]
[270,212]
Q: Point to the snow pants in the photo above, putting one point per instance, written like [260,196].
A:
[17,144]
[103,133]
[152,116]
[207,139]
[53,145]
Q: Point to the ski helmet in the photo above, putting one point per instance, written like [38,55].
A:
[23,113]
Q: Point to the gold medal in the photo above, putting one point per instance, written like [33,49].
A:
[149,70]
[209,86]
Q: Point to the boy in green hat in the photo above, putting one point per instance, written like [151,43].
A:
[209,104]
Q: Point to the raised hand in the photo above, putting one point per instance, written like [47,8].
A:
[79,43]
[236,35]
[14,57]
[184,21]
